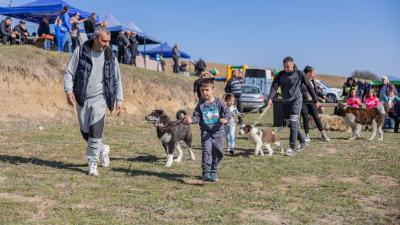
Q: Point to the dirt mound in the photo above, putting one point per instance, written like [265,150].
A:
[31,86]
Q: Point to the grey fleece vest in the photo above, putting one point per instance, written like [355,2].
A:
[83,72]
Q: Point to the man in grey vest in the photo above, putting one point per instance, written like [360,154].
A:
[92,80]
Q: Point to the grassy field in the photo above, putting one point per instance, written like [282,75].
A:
[43,181]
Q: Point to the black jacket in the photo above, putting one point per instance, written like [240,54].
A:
[83,72]
[134,42]
[43,29]
[20,30]
[290,84]
[317,90]
[90,25]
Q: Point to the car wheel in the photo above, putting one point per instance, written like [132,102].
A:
[331,98]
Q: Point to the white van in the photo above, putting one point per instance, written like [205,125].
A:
[259,77]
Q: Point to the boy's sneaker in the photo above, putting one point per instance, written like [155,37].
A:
[213,177]
[307,138]
[104,156]
[206,176]
[231,151]
[93,169]
[290,152]
[325,137]
[302,146]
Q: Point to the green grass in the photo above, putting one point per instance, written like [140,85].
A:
[43,181]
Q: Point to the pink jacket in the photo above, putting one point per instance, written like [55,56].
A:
[372,102]
[354,102]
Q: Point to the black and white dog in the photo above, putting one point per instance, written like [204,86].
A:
[172,133]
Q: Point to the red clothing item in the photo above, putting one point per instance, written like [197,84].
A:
[354,102]
[372,102]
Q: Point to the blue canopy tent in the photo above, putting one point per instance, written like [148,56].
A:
[115,26]
[35,11]
[165,51]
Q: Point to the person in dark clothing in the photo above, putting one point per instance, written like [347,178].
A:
[89,25]
[200,67]
[367,87]
[134,44]
[44,29]
[21,33]
[309,108]
[123,45]
[234,86]
[6,32]
[175,56]
[290,80]
[360,88]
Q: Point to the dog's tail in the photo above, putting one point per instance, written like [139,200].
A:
[181,114]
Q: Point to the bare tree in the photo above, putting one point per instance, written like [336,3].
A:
[364,74]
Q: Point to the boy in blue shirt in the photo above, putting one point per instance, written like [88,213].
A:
[212,114]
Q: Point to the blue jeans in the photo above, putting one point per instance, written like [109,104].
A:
[67,42]
[47,45]
[230,136]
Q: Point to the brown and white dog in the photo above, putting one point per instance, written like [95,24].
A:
[260,138]
[358,117]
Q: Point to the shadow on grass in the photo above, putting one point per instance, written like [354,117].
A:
[141,158]
[180,178]
[41,162]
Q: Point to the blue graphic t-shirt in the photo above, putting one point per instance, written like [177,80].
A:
[208,115]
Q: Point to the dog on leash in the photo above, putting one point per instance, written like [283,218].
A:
[260,138]
[172,134]
[356,117]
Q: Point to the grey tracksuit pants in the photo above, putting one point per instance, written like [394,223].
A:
[91,121]
[212,150]
[292,112]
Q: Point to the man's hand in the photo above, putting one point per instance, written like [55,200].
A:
[187,120]
[317,105]
[270,104]
[223,121]
[119,108]
[71,98]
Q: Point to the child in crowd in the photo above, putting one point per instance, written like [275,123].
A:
[371,101]
[231,125]
[353,100]
[212,114]
[392,105]
[59,33]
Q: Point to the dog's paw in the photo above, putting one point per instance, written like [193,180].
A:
[177,160]
[380,139]
[370,139]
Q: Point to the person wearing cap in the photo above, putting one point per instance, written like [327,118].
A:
[385,88]
[5,31]
[134,44]
[21,33]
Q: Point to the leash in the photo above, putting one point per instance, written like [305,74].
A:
[262,114]
[172,125]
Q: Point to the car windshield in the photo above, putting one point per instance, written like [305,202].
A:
[250,90]
[325,84]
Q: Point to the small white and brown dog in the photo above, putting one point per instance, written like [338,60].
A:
[261,138]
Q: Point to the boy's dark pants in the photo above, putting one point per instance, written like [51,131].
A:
[310,108]
[212,150]
[292,112]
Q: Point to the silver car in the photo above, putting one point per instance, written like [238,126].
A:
[252,98]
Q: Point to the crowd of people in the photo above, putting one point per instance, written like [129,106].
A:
[385,98]
[66,36]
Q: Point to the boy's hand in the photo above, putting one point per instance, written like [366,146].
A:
[270,103]
[187,120]
[223,121]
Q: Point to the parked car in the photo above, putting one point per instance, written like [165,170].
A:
[252,98]
[332,94]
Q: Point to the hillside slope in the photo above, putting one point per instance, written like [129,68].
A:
[31,86]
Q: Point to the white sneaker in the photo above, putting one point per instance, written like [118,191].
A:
[93,169]
[104,158]
[307,138]
[290,152]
